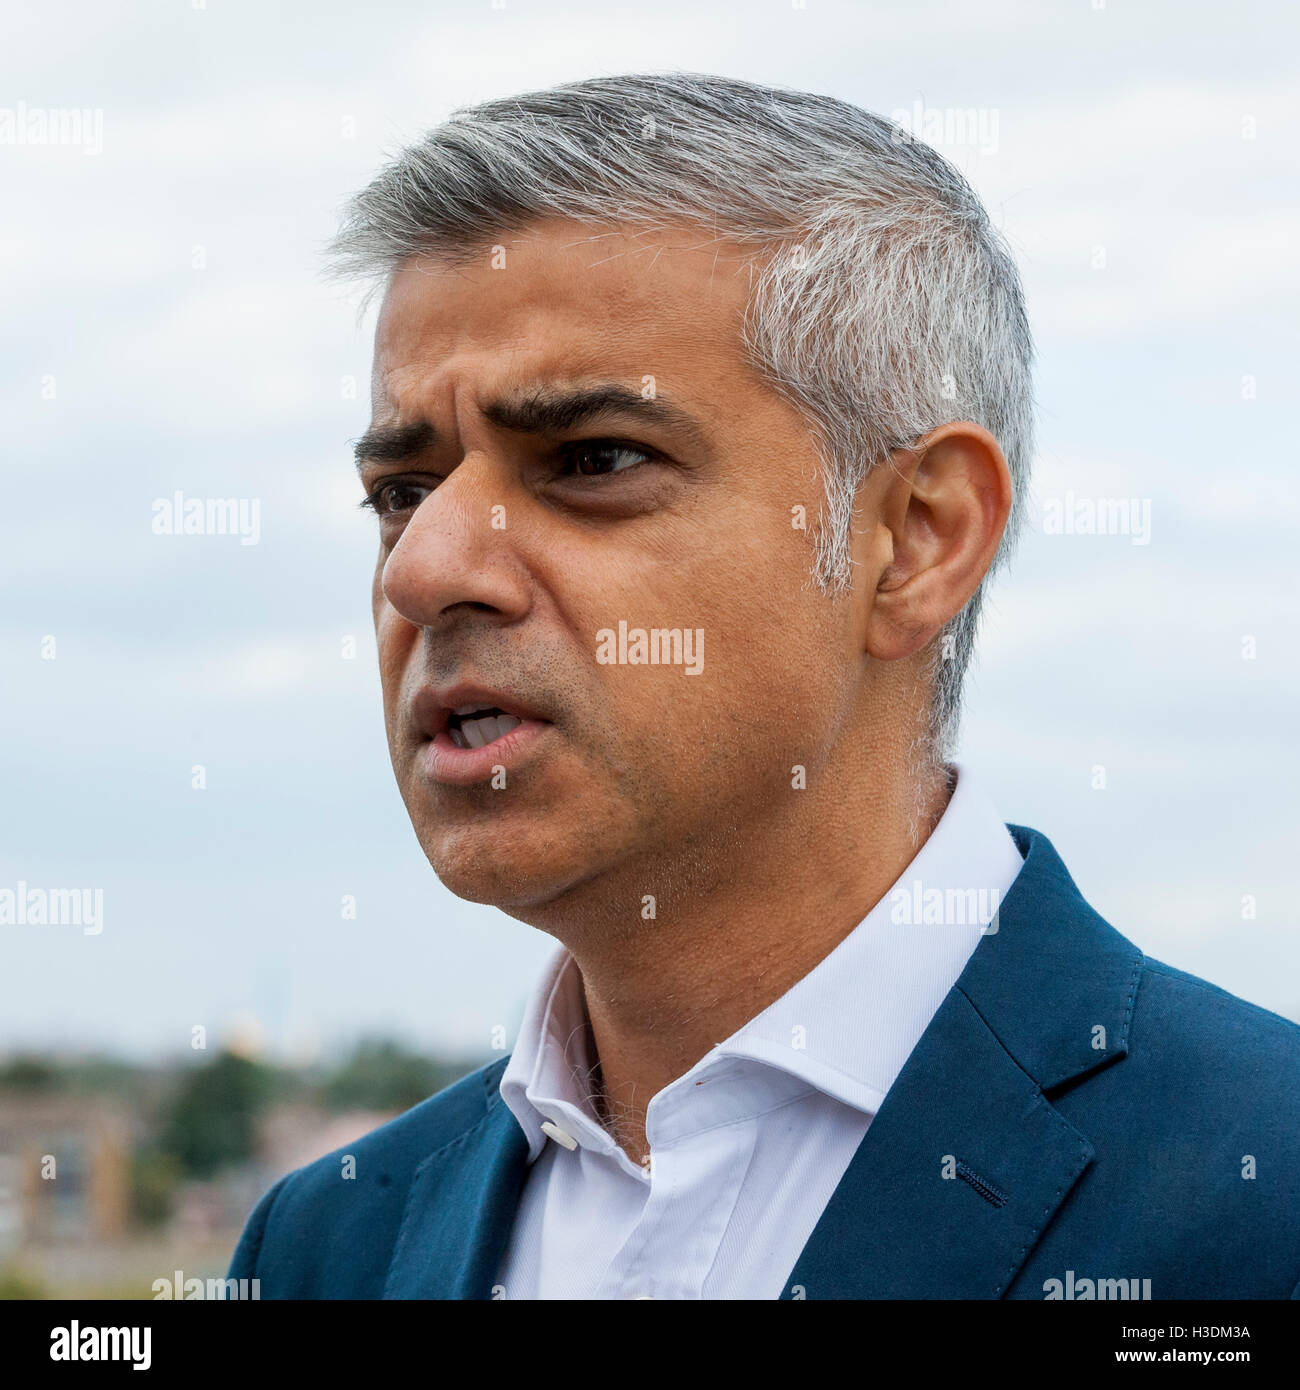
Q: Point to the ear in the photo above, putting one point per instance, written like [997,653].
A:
[944,504]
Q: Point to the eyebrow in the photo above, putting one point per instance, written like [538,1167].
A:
[540,410]
[393,443]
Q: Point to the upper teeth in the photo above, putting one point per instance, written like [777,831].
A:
[475,733]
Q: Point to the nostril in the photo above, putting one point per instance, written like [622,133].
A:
[471,606]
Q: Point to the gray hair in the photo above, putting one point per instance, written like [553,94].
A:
[885,303]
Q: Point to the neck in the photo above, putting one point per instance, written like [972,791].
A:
[776,900]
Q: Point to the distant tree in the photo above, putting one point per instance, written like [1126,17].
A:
[28,1073]
[211,1121]
[104,1075]
[21,1285]
[383,1075]
[154,1175]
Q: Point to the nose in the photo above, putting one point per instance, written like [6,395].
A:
[456,554]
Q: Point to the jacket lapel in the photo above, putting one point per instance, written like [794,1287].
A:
[460,1210]
[967,1161]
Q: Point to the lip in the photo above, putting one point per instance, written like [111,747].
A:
[462,767]
[443,761]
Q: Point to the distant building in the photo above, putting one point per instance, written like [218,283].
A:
[64,1170]
[293,1135]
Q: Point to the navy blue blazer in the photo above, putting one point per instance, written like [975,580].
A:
[1074,1113]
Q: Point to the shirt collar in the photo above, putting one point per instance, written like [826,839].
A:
[845,1028]
[545,1077]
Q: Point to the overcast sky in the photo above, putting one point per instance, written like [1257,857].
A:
[166,328]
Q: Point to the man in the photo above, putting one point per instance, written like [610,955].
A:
[701,415]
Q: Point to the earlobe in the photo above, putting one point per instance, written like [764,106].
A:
[891,633]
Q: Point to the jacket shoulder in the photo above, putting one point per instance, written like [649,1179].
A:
[327,1230]
[1184,1012]
[1212,1066]
[1195,1183]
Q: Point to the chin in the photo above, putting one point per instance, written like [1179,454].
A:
[519,873]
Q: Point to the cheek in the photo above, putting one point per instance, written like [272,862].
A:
[768,645]
[778,662]
[394,638]
[378,603]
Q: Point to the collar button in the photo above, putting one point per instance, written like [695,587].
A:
[549,1127]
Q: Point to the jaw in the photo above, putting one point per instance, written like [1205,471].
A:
[521,850]
[542,886]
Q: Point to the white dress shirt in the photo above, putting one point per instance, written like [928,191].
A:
[747,1147]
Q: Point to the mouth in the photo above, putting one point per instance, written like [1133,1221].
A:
[471,734]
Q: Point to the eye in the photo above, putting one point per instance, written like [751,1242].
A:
[594,458]
[395,495]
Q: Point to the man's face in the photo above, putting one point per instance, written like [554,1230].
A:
[567,443]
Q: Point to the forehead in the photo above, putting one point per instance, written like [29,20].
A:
[564,299]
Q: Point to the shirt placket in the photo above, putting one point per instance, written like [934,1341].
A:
[695,1181]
